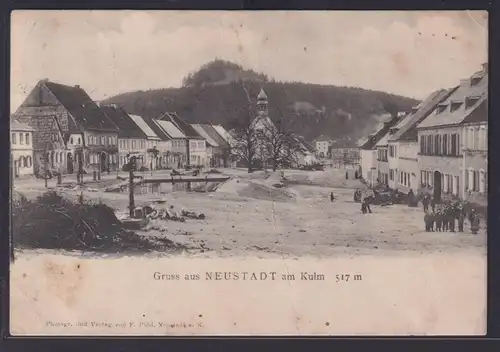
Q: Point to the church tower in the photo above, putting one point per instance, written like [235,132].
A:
[262,103]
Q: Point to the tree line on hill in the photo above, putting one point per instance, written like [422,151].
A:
[216,94]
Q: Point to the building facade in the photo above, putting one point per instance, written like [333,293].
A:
[21,149]
[322,145]
[403,144]
[70,128]
[132,141]
[445,152]
[177,143]
[153,142]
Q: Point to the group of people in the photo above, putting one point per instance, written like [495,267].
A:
[444,216]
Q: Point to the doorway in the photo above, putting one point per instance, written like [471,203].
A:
[437,187]
[104,163]
[69,163]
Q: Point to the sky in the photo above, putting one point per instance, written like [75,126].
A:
[410,53]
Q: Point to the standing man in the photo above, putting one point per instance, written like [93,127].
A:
[425,203]
[332,197]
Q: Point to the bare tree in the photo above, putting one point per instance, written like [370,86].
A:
[246,141]
[282,145]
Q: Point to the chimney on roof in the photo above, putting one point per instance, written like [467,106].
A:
[485,67]
[77,86]
[44,80]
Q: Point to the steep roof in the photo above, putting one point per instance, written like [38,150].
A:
[212,132]
[322,138]
[407,127]
[201,131]
[144,126]
[305,144]
[377,136]
[127,128]
[19,126]
[181,124]
[386,131]
[224,134]
[82,108]
[465,90]
[169,128]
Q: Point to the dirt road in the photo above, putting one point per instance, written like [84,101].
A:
[248,216]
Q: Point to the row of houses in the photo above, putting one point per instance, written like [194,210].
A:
[440,147]
[63,127]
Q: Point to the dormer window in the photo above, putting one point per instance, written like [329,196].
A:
[455,105]
[441,108]
[475,80]
[471,101]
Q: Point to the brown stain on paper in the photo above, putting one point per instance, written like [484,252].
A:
[65,280]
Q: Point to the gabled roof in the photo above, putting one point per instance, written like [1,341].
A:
[386,131]
[81,107]
[170,130]
[323,138]
[306,145]
[144,126]
[407,127]
[461,93]
[181,124]
[224,134]
[127,128]
[201,131]
[377,136]
[212,132]
[19,126]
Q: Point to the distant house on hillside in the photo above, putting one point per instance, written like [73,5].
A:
[322,144]
[69,128]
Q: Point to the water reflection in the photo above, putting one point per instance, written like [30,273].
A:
[167,187]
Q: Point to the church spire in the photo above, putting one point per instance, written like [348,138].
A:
[262,103]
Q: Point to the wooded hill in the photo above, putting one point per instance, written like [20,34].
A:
[214,94]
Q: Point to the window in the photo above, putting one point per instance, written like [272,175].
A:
[110,140]
[133,144]
[482,181]
[28,139]
[475,187]
[29,161]
[21,138]
[445,144]
[436,144]
[454,145]
[441,108]
[103,140]
[14,141]
[470,102]
[450,184]
[79,141]
[455,105]
[422,145]
[71,140]
[439,145]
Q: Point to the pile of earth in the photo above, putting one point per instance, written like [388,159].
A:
[262,192]
[54,222]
